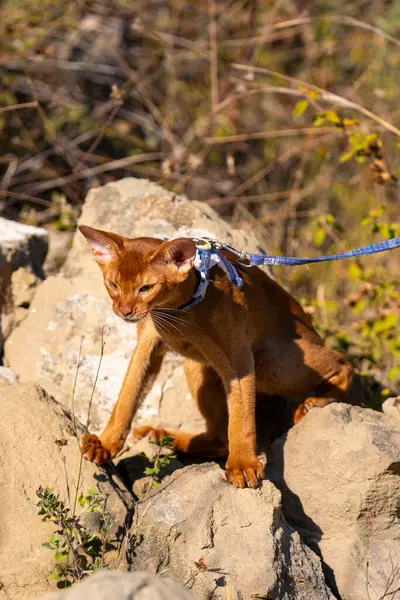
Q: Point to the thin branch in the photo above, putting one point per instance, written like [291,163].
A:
[294,23]
[274,133]
[19,196]
[212,33]
[4,109]
[323,94]
[112,165]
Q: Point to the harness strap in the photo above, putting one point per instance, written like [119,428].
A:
[207,256]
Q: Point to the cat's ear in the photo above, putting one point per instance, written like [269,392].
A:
[104,244]
[180,252]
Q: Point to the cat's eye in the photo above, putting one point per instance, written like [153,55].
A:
[112,284]
[146,288]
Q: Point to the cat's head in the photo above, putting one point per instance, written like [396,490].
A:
[141,273]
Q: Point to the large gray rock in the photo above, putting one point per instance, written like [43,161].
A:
[224,542]
[22,252]
[339,473]
[38,448]
[75,305]
[124,586]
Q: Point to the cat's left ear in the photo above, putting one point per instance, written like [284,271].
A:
[180,252]
[104,244]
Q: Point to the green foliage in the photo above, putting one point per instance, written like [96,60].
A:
[300,108]
[365,324]
[161,460]
[77,551]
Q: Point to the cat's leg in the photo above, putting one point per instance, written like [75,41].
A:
[143,369]
[235,366]
[335,389]
[308,370]
[208,391]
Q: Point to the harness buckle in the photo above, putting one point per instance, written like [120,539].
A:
[203,243]
[243,256]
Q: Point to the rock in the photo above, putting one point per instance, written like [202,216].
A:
[391,407]
[38,448]
[7,376]
[22,253]
[124,586]
[74,304]
[59,245]
[338,471]
[223,542]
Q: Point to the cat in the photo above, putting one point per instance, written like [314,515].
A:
[235,342]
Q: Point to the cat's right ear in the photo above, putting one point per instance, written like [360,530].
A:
[104,244]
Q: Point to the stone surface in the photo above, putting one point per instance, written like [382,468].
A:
[59,245]
[223,542]
[391,407]
[74,304]
[22,252]
[338,471]
[8,376]
[38,448]
[124,586]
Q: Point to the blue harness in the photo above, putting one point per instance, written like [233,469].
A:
[209,254]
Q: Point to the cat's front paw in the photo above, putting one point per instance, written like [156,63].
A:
[244,472]
[93,450]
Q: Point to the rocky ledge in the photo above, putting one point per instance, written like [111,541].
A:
[324,524]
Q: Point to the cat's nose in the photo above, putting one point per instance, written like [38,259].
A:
[125,309]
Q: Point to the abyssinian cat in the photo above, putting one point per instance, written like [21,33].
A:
[235,342]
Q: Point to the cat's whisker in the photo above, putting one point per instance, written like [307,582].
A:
[158,324]
[164,312]
[166,322]
[166,327]
[167,316]
[173,318]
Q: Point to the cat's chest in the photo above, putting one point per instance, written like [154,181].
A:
[184,348]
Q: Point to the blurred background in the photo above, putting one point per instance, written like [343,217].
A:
[283,115]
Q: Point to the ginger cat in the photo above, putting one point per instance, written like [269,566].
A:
[236,341]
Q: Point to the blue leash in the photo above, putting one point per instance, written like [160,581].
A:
[209,248]
[251,260]
[266,259]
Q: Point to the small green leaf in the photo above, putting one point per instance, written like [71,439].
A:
[332,116]
[300,108]
[319,120]
[393,373]
[366,221]
[354,271]
[149,471]
[346,156]
[385,324]
[60,555]
[319,236]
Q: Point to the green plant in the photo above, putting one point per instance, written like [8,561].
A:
[161,460]
[71,538]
